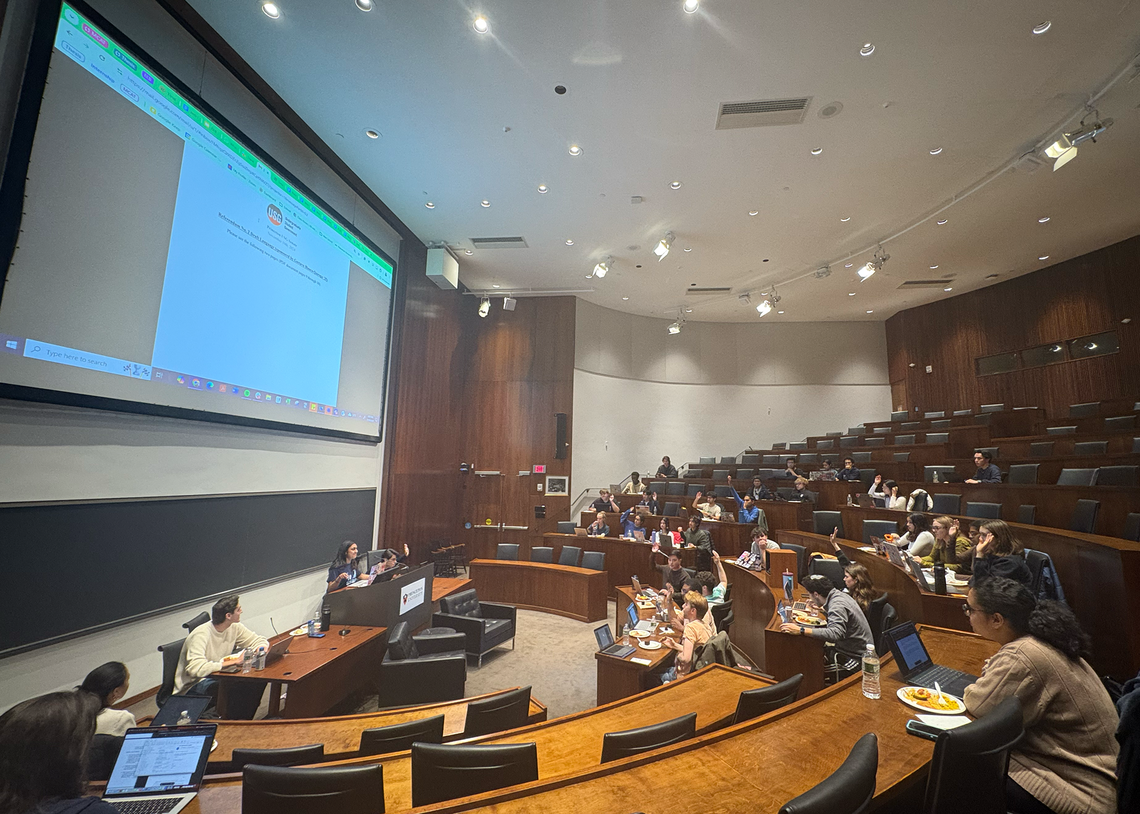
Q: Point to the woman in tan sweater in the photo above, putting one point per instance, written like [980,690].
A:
[1066,763]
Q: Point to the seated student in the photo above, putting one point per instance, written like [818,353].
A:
[825,472]
[635,486]
[846,625]
[674,575]
[802,493]
[211,646]
[746,509]
[695,634]
[949,543]
[999,555]
[389,561]
[632,526]
[342,570]
[856,578]
[918,540]
[109,682]
[650,503]
[790,470]
[696,537]
[606,503]
[664,539]
[888,492]
[666,470]
[758,491]
[706,504]
[598,528]
[966,558]
[848,472]
[878,490]
[987,471]
[1066,761]
[712,588]
[44,743]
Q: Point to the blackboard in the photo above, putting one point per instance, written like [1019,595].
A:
[75,567]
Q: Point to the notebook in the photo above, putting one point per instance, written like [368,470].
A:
[606,643]
[638,624]
[917,667]
[159,769]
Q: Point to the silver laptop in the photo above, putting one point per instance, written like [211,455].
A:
[160,769]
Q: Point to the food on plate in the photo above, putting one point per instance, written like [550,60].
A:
[932,700]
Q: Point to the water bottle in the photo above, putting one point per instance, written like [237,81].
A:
[936,476]
[871,673]
[259,658]
[184,718]
[849,501]
[247,661]
[625,634]
[313,625]
[940,578]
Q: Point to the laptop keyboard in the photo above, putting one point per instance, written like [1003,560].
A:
[952,681]
[158,805]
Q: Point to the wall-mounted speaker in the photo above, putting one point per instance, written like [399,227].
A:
[560,442]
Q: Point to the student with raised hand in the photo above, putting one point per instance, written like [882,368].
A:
[632,520]
[342,569]
[999,554]
[746,509]
[706,504]
[1066,762]
[856,578]
[44,744]
[109,683]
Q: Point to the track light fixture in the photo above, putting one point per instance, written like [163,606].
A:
[873,265]
[675,328]
[602,268]
[1064,149]
[662,248]
[764,307]
[484,306]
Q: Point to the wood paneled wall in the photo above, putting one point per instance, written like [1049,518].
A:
[483,392]
[1082,296]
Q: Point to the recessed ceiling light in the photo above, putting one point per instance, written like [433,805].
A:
[870,312]
[848,265]
[942,222]
[624,299]
[936,151]
[484,203]
[948,288]
[494,285]
[429,205]
[575,149]
[468,251]
[543,188]
[817,151]
[1043,220]
[779,312]
[271,10]
[1043,27]
[852,294]
[364,5]
[932,268]
[372,133]
[569,242]
[688,248]
[753,213]
[844,220]
[1043,257]
[688,310]
[691,5]
[992,276]
[481,25]
[675,185]
[867,49]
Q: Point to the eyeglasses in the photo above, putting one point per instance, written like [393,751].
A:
[966,609]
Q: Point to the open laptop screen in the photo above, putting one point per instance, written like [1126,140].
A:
[631,611]
[604,637]
[908,649]
[161,760]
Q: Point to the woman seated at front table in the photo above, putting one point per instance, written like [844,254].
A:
[998,554]
[918,540]
[950,545]
[109,682]
[599,528]
[856,578]
[343,571]
[664,539]
[1066,762]
[695,634]
[888,492]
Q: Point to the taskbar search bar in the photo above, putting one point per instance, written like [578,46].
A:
[45,351]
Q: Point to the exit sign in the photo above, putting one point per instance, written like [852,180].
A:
[538,469]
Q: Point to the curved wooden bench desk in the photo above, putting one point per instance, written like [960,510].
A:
[579,593]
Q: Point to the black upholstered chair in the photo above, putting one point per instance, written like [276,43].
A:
[937,438]
[827,568]
[944,473]
[674,488]
[201,618]
[809,457]
[1077,477]
[904,440]
[984,511]
[1023,473]
[900,415]
[900,457]
[1084,516]
[1069,430]
[617,745]
[1027,514]
[486,624]
[566,526]
[569,555]
[962,412]
[720,474]
[761,701]
[980,751]
[287,756]
[769,460]
[594,560]
[824,522]
[801,559]
[671,510]
[722,615]
[861,457]
[422,669]
[170,653]
[1132,527]
[946,503]
[878,528]
[1120,422]
[446,771]
[320,790]
[1117,476]
[102,755]
[706,461]
[383,740]
[875,615]
[507,710]
[848,441]
[1086,410]
[796,446]
[1090,448]
[507,551]
[727,459]
[828,444]
[992,408]
[542,553]
[941,424]
[750,460]
[848,790]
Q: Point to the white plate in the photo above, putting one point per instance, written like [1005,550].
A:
[639,634]
[958,709]
[868,549]
[215,746]
[301,631]
[648,645]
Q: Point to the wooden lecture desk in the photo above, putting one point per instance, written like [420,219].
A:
[341,733]
[579,593]
[622,677]
[567,746]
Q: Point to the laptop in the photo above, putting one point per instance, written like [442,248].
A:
[638,535]
[159,769]
[606,643]
[865,501]
[638,624]
[278,650]
[894,554]
[581,532]
[916,666]
[919,574]
[192,705]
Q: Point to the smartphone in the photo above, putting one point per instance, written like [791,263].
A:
[316,635]
[921,730]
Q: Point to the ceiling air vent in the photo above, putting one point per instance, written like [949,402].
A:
[926,283]
[498,242]
[763,113]
[697,291]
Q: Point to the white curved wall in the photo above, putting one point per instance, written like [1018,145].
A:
[715,388]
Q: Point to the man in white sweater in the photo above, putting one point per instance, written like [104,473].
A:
[211,646]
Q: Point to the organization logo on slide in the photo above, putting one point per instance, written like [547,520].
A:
[274,215]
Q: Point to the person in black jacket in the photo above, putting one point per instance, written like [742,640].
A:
[666,470]
[999,555]
[987,472]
